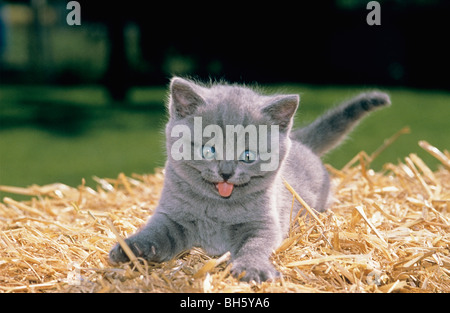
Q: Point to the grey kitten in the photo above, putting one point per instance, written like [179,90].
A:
[223,204]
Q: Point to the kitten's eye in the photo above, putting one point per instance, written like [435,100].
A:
[208,152]
[248,156]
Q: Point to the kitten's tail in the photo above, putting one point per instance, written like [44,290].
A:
[327,131]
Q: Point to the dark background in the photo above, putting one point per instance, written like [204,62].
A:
[317,42]
[88,100]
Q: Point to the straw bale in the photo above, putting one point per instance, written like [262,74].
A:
[387,232]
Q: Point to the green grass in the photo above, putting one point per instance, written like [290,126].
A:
[64,134]
[425,112]
[56,134]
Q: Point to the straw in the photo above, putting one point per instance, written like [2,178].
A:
[302,202]
[386,232]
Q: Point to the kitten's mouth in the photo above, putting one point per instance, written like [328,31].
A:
[225,189]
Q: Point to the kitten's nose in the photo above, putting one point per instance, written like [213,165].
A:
[226,169]
[225,176]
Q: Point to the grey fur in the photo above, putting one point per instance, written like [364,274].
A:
[327,132]
[253,221]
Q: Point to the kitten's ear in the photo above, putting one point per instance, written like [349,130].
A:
[184,97]
[281,110]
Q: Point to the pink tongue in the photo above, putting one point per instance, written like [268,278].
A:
[225,189]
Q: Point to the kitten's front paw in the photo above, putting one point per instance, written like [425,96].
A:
[146,251]
[256,272]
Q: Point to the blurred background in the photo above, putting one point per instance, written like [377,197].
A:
[78,101]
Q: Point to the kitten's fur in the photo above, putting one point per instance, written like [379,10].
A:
[253,221]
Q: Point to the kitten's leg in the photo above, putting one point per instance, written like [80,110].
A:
[328,130]
[160,240]
[252,247]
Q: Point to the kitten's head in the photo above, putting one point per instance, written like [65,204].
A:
[227,141]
